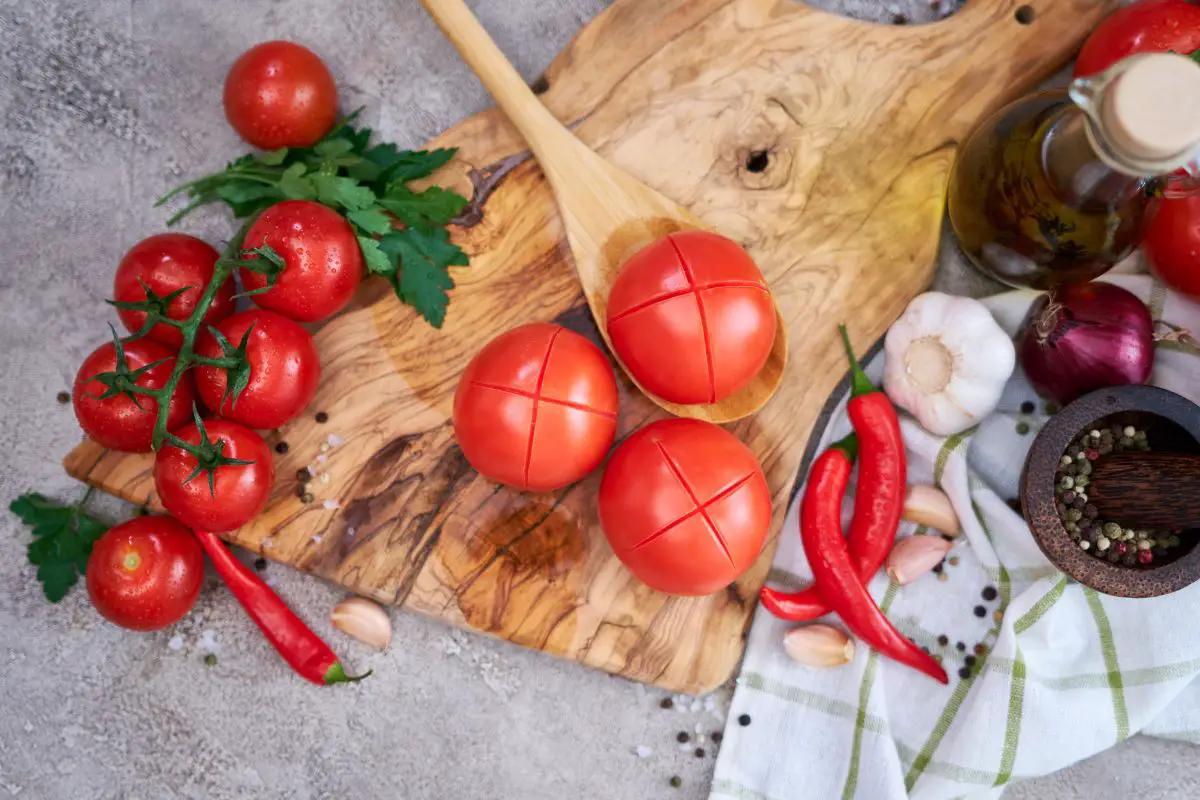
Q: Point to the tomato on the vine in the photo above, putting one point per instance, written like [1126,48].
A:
[1146,26]
[145,574]
[280,94]
[282,363]
[323,262]
[118,422]
[225,497]
[1172,244]
[166,263]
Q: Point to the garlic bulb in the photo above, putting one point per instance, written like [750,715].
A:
[947,362]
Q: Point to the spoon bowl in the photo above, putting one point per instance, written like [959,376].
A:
[607,213]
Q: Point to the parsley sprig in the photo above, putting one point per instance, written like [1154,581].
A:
[401,230]
[62,540]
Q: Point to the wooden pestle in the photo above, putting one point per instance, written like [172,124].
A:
[1159,490]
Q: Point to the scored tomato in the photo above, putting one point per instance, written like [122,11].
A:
[145,574]
[118,422]
[166,263]
[1172,244]
[1146,26]
[323,262]
[685,506]
[227,497]
[283,369]
[280,94]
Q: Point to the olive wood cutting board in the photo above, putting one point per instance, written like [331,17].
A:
[822,144]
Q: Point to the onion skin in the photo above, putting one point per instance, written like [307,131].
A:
[1084,337]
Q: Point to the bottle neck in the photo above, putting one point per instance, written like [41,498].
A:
[1079,170]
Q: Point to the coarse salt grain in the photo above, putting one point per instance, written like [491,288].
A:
[175,642]
[334,440]
[317,539]
[321,459]
[325,478]
[643,751]
[695,706]
[331,502]
[324,448]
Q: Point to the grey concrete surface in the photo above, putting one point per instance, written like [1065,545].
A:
[103,105]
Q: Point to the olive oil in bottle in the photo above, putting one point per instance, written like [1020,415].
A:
[1057,187]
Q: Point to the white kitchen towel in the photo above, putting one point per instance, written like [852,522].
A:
[1063,672]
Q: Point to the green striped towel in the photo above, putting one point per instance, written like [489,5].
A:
[1063,672]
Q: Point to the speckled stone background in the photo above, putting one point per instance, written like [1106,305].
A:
[104,105]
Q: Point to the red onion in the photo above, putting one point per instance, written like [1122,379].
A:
[1084,337]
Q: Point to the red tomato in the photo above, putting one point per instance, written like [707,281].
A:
[1147,26]
[685,506]
[284,369]
[117,422]
[239,492]
[691,317]
[280,94]
[167,263]
[145,574]
[1172,244]
[323,261]
[536,408]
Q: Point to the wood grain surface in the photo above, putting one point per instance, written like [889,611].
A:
[1148,489]
[821,143]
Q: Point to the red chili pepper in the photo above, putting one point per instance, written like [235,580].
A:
[878,497]
[821,533]
[299,646]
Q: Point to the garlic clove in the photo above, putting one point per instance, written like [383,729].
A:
[929,506]
[819,645]
[913,556]
[364,620]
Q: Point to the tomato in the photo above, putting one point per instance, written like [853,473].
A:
[536,408]
[691,318]
[145,574]
[284,369]
[167,263]
[117,422]
[323,261]
[685,506]
[1172,244]
[238,493]
[280,94]
[1147,26]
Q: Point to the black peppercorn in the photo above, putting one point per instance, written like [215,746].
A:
[260,564]
[960,647]
[964,673]
[980,611]
[744,720]
[303,475]
[666,703]
[699,752]
[1028,407]
[938,567]
[321,417]
[717,736]
[63,398]
[969,661]
[682,737]
[990,593]
[281,448]
[943,640]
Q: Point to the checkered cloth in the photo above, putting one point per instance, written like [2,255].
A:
[1062,672]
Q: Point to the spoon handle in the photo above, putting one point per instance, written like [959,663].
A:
[1150,489]
[546,135]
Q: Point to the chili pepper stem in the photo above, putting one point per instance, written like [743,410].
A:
[337,674]
[847,444]
[860,384]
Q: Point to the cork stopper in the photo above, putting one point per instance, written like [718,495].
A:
[1151,112]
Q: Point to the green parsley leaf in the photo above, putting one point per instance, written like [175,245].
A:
[343,193]
[434,206]
[62,541]
[377,261]
[274,158]
[371,220]
[295,185]
[422,278]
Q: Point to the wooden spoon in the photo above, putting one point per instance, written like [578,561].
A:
[608,214]
[1160,490]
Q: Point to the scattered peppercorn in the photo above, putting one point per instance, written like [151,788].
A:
[997,615]
[666,703]
[717,736]
[699,752]
[260,564]
[321,417]
[676,781]
[990,593]
[953,561]
[899,19]
[969,661]
[943,640]
[1022,428]
[307,497]
[964,673]
[63,398]
[210,660]
[980,611]
[1051,408]
[282,448]
[938,567]
[303,475]
[682,737]
[980,648]
[744,720]
[1028,407]
[960,647]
